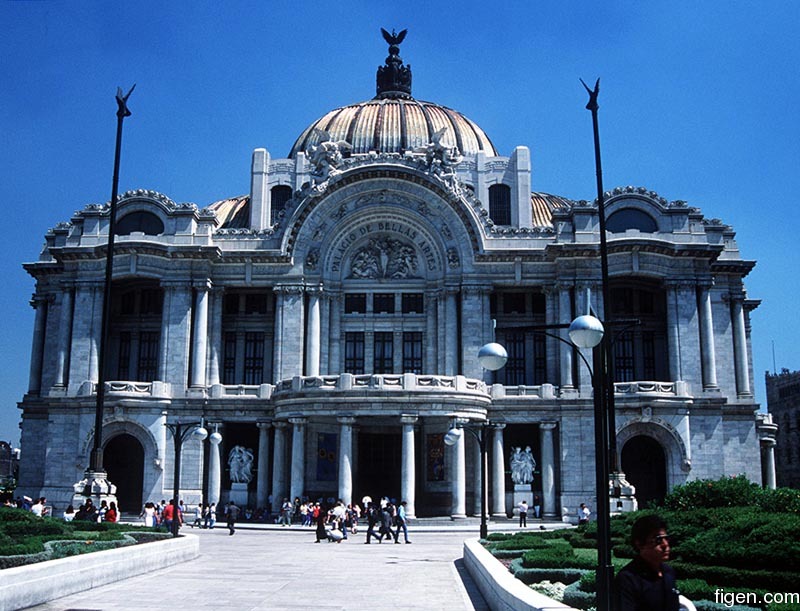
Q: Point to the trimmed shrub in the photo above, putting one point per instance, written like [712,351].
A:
[575,597]
[529,576]
[774,581]
[724,492]
[555,557]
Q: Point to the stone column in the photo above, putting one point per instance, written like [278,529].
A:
[740,347]
[288,358]
[163,349]
[768,452]
[548,469]
[262,480]
[475,315]
[175,344]
[459,479]
[65,326]
[565,317]
[551,343]
[451,332]
[214,469]
[325,332]
[279,466]
[199,351]
[346,458]
[431,342]
[477,478]
[335,361]
[408,482]
[313,331]
[37,347]
[215,336]
[498,472]
[707,340]
[298,481]
[673,333]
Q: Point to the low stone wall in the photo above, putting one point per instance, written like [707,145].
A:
[503,591]
[34,584]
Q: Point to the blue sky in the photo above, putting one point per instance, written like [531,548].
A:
[698,102]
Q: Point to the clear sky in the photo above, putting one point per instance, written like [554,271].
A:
[698,102]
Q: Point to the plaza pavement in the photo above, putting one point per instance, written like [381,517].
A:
[272,568]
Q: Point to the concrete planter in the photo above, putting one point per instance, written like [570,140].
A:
[34,584]
[503,591]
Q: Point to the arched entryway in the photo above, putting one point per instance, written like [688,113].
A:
[123,458]
[645,466]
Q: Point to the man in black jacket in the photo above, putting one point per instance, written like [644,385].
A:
[646,583]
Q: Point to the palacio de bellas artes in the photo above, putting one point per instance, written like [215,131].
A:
[324,330]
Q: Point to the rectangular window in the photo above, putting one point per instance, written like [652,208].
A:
[624,364]
[355,303]
[255,303]
[148,356]
[253,358]
[384,353]
[412,352]
[383,303]
[649,355]
[539,359]
[124,360]
[413,303]
[151,302]
[513,303]
[229,359]
[354,352]
[231,304]
[500,204]
[515,366]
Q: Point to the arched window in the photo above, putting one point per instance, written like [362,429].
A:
[281,195]
[145,222]
[631,218]
[500,204]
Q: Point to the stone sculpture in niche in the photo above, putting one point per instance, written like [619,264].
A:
[240,463]
[522,465]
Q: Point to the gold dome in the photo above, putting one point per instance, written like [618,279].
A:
[395,125]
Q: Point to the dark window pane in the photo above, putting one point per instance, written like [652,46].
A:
[500,204]
[383,303]
[539,359]
[384,353]
[355,303]
[515,366]
[413,303]
[229,359]
[232,304]
[412,352]
[354,352]
[148,356]
[253,358]
[255,303]
[280,197]
[514,303]
[141,221]
[151,302]
[623,358]
[631,218]
[124,360]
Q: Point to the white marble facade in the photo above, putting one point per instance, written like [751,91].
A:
[337,316]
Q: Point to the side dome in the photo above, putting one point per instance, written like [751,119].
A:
[393,121]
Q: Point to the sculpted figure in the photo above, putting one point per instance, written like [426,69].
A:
[326,156]
[240,463]
[522,465]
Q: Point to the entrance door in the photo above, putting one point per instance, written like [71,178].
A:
[645,466]
[123,458]
[378,469]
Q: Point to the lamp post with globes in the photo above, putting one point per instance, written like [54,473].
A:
[180,433]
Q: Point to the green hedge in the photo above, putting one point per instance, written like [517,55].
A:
[575,597]
[534,575]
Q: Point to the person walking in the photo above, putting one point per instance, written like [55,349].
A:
[523,513]
[402,522]
[583,514]
[537,506]
[231,514]
[373,515]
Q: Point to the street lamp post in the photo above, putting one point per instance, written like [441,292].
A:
[180,433]
[95,480]
[451,438]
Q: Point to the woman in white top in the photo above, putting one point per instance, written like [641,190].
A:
[69,513]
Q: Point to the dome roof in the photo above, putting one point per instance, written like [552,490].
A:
[393,121]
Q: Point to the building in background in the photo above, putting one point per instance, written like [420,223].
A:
[783,404]
[328,323]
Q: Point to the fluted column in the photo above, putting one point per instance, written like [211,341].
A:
[200,347]
[37,346]
[548,469]
[740,347]
[262,478]
[408,481]
[459,479]
[673,333]
[707,340]
[346,458]
[215,336]
[565,317]
[498,472]
[298,482]
[64,329]
[451,332]
[214,469]
[768,452]
[279,465]
[313,331]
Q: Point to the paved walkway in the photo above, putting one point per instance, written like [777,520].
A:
[275,569]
